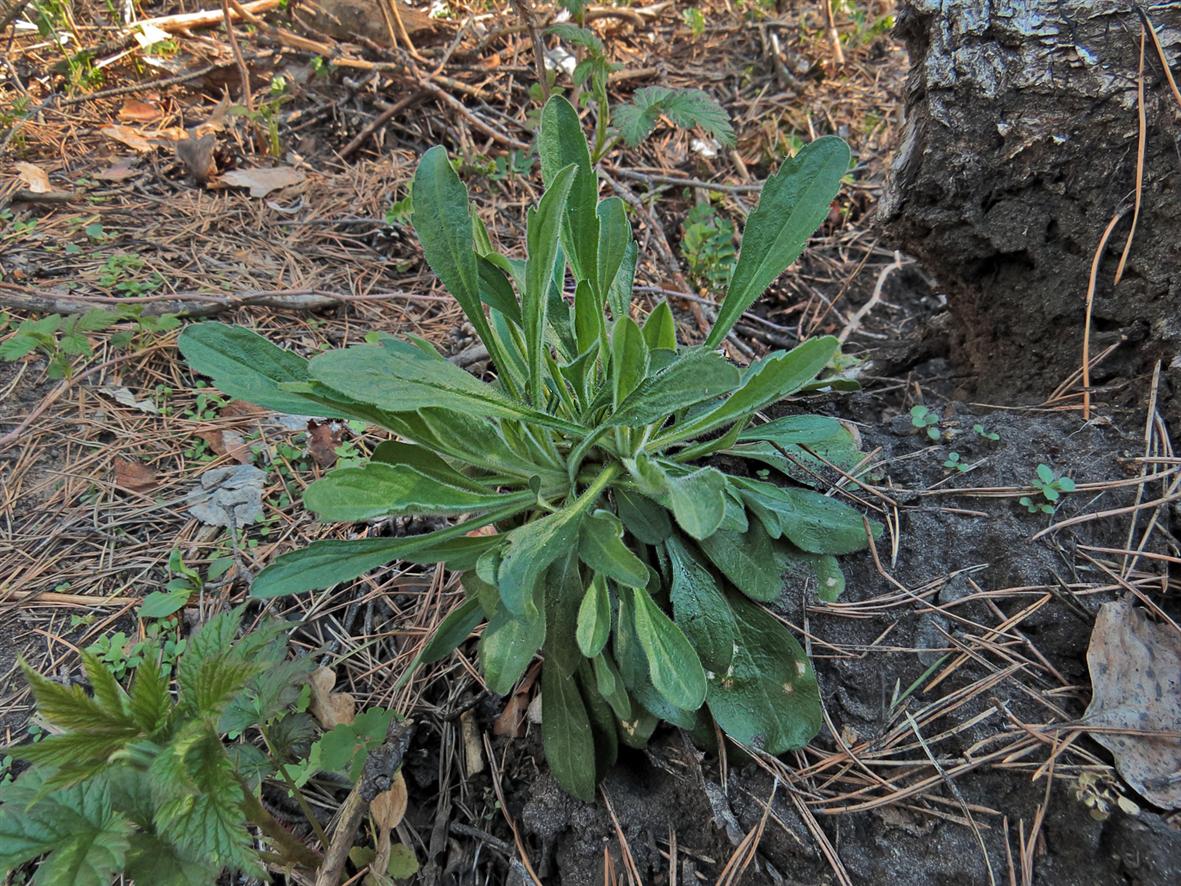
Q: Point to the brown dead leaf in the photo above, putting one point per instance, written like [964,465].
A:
[35,179]
[139,112]
[262,181]
[322,442]
[126,135]
[389,807]
[242,409]
[511,720]
[196,155]
[473,745]
[328,707]
[1135,666]
[228,443]
[134,476]
[121,170]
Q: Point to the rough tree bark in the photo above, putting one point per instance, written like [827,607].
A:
[1020,144]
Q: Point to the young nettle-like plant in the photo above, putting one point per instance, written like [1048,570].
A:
[633,564]
[141,782]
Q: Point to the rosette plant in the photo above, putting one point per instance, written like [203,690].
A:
[634,564]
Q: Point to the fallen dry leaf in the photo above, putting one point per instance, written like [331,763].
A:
[139,112]
[35,179]
[121,170]
[226,496]
[134,476]
[511,721]
[1135,666]
[389,807]
[328,707]
[322,442]
[125,397]
[133,138]
[262,181]
[196,154]
[228,443]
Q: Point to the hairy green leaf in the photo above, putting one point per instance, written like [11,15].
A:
[673,665]
[813,522]
[378,490]
[566,735]
[695,376]
[560,142]
[507,646]
[768,697]
[594,618]
[601,547]
[452,631]
[699,607]
[791,207]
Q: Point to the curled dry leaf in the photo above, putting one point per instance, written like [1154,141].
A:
[389,807]
[35,179]
[262,181]
[134,476]
[328,707]
[322,442]
[126,135]
[196,155]
[228,496]
[121,170]
[138,111]
[1135,666]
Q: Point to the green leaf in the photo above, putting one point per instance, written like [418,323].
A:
[807,442]
[830,580]
[686,108]
[601,547]
[566,735]
[199,801]
[594,618]
[813,522]
[542,233]
[245,365]
[642,517]
[698,501]
[695,376]
[619,294]
[768,698]
[673,665]
[83,839]
[561,142]
[156,861]
[442,219]
[588,318]
[507,646]
[423,460]
[161,604]
[615,236]
[609,685]
[496,291]
[529,551]
[378,490]
[792,205]
[629,359]
[326,563]
[747,559]
[660,330]
[764,383]
[699,607]
[401,378]
[452,631]
[150,702]
[562,595]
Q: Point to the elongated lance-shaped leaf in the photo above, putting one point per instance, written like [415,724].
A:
[594,618]
[791,207]
[452,631]
[381,490]
[566,734]
[543,234]
[245,365]
[619,294]
[442,219]
[561,142]
[673,664]
[660,329]
[699,607]
[507,645]
[696,375]
[629,359]
[326,563]
[615,235]
[779,375]
[602,548]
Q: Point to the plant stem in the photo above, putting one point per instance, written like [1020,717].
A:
[292,849]
[295,791]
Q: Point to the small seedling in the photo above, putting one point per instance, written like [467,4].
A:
[925,420]
[979,430]
[953,463]
[1051,486]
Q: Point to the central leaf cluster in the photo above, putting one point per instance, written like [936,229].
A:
[632,564]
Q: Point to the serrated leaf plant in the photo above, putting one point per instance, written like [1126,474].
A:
[623,553]
[146,783]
